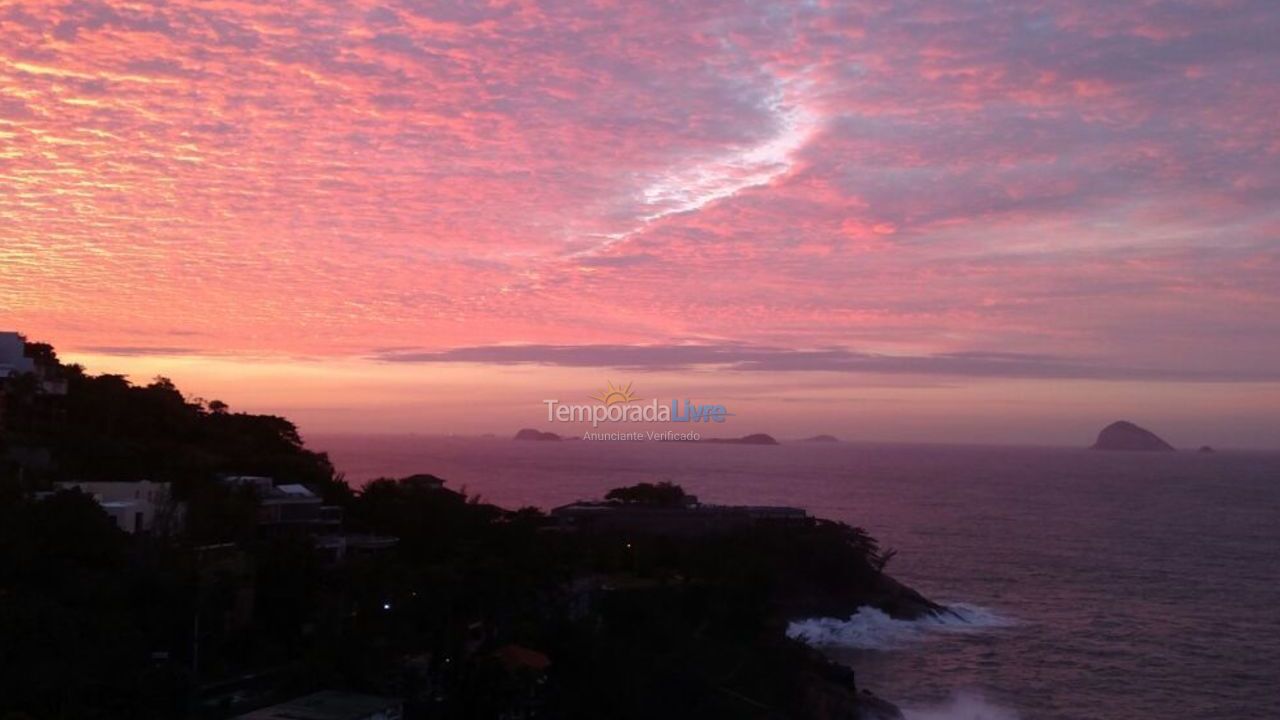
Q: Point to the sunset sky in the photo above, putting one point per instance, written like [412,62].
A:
[952,221]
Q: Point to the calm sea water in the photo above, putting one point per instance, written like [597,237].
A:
[1096,585]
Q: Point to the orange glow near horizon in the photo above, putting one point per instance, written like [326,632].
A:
[353,395]
[889,222]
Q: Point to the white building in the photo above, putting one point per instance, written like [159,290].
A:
[13,359]
[136,507]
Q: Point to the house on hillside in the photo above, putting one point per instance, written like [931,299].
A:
[288,505]
[295,508]
[17,357]
[13,357]
[139,507]
[32,385]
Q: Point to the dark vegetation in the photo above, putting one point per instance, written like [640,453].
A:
[663,494]
[95,623]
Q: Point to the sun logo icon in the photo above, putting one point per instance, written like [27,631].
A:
[615,394]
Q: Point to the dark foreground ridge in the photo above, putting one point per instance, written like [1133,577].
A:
[162,557]
[1124,435]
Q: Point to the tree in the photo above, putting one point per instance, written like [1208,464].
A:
[663,494]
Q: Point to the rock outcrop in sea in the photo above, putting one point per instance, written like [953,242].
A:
[754,439]
[1124,435]
[531,434]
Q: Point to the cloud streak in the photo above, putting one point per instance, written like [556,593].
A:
[745,358]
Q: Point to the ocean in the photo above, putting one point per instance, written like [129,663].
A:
[1091,585]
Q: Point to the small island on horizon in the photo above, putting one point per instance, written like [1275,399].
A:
[752,439]
[537,435]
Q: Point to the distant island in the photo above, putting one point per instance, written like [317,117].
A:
[754,439]
[822,439]
[531,434]
[1125,436]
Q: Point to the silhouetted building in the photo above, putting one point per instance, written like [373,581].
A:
[331,705]
[338,546]
[295,508]
[13,358]
[616,517]
[32,386]
[288,505]
[19,358]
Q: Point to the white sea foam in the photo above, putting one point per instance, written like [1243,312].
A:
[963,706]
[872,629]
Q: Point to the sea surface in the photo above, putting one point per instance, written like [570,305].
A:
[1090,585]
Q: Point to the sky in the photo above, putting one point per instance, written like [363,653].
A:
[955,221]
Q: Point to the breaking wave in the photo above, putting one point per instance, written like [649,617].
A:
[872,629]
[964,706]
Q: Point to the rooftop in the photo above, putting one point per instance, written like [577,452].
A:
[670,520]
[330,705]
[603,507]
[270,493]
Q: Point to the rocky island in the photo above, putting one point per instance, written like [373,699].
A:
[537,435]
[753,439]
[822,439]
[1125,436]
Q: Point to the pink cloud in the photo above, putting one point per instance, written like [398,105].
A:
[324,180]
